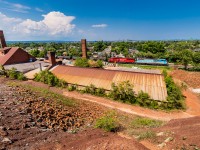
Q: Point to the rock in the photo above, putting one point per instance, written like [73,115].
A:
[160,134]
[3,131]
[6,140]
[162,145]
[169,139]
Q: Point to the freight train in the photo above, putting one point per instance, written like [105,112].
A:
[162,62]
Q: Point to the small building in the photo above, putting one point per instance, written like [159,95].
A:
[14,55]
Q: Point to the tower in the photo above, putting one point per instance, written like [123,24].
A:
[2,39]
[84,48]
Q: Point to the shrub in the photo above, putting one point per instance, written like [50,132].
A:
[81,62]
[49,78]
[175,99]
[71,87]
[94,90]
[108,122]
[145,122]
[21,77]
[123,91]
[2,70]
[100,92]
[14,74]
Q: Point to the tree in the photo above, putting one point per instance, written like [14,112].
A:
[34,52]
[81,62]
[196,58]
[186,57]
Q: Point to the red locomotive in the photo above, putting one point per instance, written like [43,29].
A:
[121,60]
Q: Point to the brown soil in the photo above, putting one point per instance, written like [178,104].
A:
[184,133]
[190,78]
[90,139]
[28,121]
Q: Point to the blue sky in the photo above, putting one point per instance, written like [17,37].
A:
[100,20]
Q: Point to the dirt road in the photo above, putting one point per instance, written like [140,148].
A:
[192,101]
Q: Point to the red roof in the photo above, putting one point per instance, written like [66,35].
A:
[14,55]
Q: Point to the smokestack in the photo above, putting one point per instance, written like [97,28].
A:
[2,39]
[84,48]
[52,58]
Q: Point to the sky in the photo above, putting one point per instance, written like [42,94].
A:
[72,20]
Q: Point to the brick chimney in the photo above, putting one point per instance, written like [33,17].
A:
[84,48]
[52,58]
[2,39]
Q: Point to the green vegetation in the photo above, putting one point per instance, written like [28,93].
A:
[123,92]
[49,78]
[83,62]
[145,123]
[94,91]
[108,122]
[175,99]
[178,52]
[12,74]
[146,66]
[147,135]
[72,87]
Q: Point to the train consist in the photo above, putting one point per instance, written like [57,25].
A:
[162,62]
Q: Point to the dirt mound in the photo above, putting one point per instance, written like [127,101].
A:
[190,78]
[181,134]
[90,139]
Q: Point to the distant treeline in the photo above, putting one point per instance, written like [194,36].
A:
[180,52]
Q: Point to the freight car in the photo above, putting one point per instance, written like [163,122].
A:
[162,62]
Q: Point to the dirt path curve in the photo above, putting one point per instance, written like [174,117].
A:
[192,101]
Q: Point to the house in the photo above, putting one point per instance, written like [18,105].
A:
[12,55]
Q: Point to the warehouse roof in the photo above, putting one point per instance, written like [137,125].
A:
[14,55]
[151,83]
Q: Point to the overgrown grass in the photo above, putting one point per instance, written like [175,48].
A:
[58,98]
[146,66]
[108,122]
[147,135]
[145,123]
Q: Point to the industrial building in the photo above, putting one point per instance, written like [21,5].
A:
[148,81]
[151,83]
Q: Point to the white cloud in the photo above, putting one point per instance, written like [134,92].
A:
[54,25]
[99,25]
[39,10]
[15,7]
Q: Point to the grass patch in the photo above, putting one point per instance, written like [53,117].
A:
[146,66]
[145,122]
[147,135]
[108,122]
[46,93]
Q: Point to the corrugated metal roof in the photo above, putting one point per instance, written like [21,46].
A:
[151,83]
[135,70]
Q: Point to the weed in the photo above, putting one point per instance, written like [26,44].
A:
[147,135]
[108,122]
[145,122]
